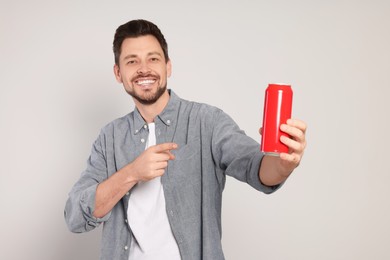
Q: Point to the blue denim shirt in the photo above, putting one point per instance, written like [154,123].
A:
[211,146]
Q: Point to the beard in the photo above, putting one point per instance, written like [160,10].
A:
[149,98]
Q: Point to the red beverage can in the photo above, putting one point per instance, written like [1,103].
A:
[277,109]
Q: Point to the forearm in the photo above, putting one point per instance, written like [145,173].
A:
[149,165]
[271,173]
[112,190]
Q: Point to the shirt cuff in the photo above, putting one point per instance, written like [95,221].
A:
[254,179]
[87,204]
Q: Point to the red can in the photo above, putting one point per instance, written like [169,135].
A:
[277,109]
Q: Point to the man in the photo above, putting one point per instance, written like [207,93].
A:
[155,176]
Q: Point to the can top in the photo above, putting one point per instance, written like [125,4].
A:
[279,84]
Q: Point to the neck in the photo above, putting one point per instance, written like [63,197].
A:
[149,112]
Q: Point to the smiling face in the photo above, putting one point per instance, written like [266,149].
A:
[142,69]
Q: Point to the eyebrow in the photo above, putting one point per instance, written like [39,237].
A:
[135,56]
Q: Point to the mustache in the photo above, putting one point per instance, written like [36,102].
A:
[149,75]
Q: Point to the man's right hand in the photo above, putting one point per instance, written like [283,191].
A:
[152,162]
[149,165]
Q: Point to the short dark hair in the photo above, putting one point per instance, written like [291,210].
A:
[134,29]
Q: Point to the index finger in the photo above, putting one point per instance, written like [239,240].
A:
[165,147]
[298,124]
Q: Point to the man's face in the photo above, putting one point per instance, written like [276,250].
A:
[142,69]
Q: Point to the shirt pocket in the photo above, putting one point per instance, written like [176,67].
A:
[185,177]
[187,163]
[188,151]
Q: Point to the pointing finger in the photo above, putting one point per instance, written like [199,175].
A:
[164,147]
[164,156]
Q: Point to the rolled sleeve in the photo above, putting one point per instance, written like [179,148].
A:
[253,178]
[87,204]
[80,205]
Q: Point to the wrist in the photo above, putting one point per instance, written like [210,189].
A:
[129,172]
[283,170]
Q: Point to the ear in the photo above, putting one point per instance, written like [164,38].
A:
[169,68]
[117,74]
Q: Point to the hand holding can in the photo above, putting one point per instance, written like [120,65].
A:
[277,110]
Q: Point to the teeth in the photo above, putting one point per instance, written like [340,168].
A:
[145,82]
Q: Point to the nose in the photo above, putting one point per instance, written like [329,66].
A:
[143,69]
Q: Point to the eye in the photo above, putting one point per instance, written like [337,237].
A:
[130,62]
[154,59]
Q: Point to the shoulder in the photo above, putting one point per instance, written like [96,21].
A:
[213,116]
[118,125]
[204,110]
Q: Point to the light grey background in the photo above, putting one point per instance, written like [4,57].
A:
[57,90]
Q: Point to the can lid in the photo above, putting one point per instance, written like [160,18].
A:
[280,84]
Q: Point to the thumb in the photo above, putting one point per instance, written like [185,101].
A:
[261,131]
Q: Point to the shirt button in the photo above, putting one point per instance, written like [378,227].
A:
[168,122]
[171,212]
[142,140]
[145,126]
[136,131]
[125,220]
[126,247]
[127,193]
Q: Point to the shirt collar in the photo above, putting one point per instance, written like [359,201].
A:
[167,116]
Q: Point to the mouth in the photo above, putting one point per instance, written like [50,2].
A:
[145,82]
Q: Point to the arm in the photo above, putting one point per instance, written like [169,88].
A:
[235,154]
[275,170]
[149,165]
[80,203]
[93,196]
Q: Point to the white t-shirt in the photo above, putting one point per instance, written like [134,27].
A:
[148,220]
